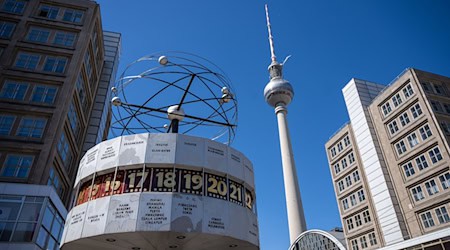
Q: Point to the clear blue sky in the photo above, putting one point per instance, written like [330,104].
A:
[330,42]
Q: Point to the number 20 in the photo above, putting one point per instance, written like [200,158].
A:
[217,186]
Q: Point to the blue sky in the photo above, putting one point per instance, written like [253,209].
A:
[330,42]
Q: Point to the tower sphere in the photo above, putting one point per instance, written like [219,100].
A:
[278,90]
[175,112]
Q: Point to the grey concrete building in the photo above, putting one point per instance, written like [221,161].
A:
[54,58]
[390,163]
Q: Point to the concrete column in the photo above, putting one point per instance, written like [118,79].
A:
[296,217]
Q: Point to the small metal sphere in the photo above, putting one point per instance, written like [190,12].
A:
[116,101]
[226,98]
[163,60]
[225,90]
[113,89]
[174,113]
[277,91]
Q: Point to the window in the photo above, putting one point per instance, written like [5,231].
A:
[393,127]
[44,94]
[6,122]
[356,176]
[344,163]
[95,40]
[361,195]
[346,141]
[64,38]
[353,200]
[19,222]
[337,169]
[6,29]
[396,100]
[421,162]
[14,6]
[447,108]
[340,146]
[73,119]
[351,158]
[348,181]
[341,186]
[401,147]
[51,229]
[442,215]
[372,239]
[363,242]
[47,11]
[17,166]
[404,119]
[27,61]
[350,224]
[426,86]
[55,181]
[333,150]
[64,150]
[355,244]
[435,155]
[436,106]
[358,220]
[425,132]
[55,64]
[409,169]
[13,90]
[417,193]
[416,110]
[366,216]
[38,35]
[438,89]
[427,220]
[445,180]
[31,127]
[73,16]
[412,139]
[431,187]
[386,109]
[87,65]
[345,204]
[445,127]
[408,91]
[82,97]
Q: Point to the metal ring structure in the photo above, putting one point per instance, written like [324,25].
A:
[149,86]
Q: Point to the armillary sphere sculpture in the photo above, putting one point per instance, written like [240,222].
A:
[174,92]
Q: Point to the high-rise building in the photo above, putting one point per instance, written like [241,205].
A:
[55,65]
[390,163]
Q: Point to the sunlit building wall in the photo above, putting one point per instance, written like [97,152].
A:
[399,135]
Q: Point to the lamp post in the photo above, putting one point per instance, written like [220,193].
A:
[278,93]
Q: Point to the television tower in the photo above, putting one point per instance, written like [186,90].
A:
[278,94]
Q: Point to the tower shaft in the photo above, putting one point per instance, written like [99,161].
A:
[295,214]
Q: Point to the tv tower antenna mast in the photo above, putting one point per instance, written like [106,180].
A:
[278,94]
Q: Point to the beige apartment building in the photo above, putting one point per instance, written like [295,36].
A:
[56,66]
[390,163]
